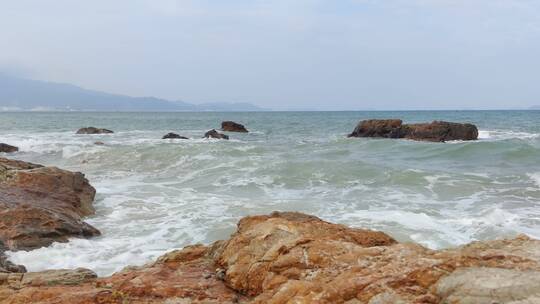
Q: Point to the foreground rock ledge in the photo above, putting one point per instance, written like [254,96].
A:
[437,131]
[296,258]
[41,205]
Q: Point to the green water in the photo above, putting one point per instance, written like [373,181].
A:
[155,195]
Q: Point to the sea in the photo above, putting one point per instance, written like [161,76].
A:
[156,195]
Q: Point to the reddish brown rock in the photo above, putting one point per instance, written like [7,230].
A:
[5,148]
[389,128]
[441,131]
[231,126]
[295,258]
[41,205]
[437,131]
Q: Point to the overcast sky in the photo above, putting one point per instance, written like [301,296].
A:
[284,54]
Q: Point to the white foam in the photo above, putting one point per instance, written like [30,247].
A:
[483,134]
[155,195]
[535,177]
[505,134]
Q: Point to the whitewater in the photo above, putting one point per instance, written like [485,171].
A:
[155,195]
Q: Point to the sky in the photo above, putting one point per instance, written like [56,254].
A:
[284,54]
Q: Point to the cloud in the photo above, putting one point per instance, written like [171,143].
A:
[350,53]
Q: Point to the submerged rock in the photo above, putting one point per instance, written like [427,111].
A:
[5,148]
[437,131]
[99,143]
[289,257]
[92,130]
[41,205]
[215,134]
[173,136]
[231,126]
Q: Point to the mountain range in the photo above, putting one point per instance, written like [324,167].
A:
[18,94]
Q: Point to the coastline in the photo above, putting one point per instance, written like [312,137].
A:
[285,257]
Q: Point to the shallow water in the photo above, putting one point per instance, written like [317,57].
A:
[156,195]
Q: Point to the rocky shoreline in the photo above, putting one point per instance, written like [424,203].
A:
[284,257]
[41,205]
[291,257]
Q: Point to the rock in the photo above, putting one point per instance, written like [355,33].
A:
[437,131]
[388,128]
[5,148]
[482,285]
[99,143]
[441,131]
[215,134]
[231,126]
[289,257]
[41,205]
[7,266]
[92,130]
[58,277]
[173,136]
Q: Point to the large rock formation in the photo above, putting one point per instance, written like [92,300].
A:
[438,131]
[41,205]
[5,148]
[296,258]
[92,130]
[215,134]
[173,136]
[231,126]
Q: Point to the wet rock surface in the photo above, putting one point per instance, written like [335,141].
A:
[41,205]
[436,131]
[231,126]
[215,134]
[93,130]
[296,258]
[5,148]
[173,136]
[5,265]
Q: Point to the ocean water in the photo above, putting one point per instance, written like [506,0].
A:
[156,195]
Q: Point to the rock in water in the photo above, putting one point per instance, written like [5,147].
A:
[289,257]
[231,126]
[92,130]
[41,205]
[8,148]
[215,134]
[173,136]
[441,131]
[388,128]
[437,131]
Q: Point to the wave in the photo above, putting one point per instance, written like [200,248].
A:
[505,135]
[155,195]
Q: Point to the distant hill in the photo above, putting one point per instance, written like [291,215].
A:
[34,95]
[534,108]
